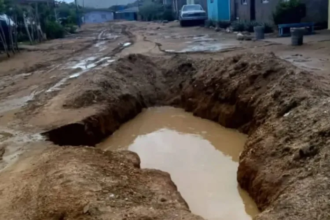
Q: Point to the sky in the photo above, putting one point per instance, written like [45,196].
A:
[101,3]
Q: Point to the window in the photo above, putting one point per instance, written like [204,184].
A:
[244,2]
[191,7]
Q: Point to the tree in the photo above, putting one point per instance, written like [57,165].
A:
[291,11]
[152,11]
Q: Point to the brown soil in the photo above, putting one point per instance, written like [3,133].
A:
[283,165]
[86,184]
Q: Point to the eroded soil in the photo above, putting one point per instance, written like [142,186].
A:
[77,97]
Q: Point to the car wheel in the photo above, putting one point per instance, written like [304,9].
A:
[182,23]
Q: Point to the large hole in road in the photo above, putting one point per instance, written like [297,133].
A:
[254,94]
[201,157]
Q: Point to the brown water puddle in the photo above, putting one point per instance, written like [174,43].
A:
[201,156]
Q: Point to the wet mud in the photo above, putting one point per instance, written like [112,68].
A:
[283,163]
[201,157]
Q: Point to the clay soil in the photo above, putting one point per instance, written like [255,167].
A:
[52,170]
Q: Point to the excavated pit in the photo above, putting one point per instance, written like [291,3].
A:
[284,165]
[201,156]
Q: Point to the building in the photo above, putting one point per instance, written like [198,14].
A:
[102,4]
[219,10]
[130,14]
[262,10]
[97,16]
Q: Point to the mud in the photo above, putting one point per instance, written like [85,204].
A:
[201,157]
[281,108]
[80,183]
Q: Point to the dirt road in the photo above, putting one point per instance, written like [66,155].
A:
[79,90]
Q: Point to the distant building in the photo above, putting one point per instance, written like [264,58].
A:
[130,14]
[97,16]
[262,10]
[102,4]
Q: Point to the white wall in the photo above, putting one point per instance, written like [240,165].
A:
[103,3]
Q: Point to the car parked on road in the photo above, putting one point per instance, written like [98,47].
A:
[190,13]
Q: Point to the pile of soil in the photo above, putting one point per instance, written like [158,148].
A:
[85,183]
[282,109]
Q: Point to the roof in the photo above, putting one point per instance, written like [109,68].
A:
[103,3]
[129,10]
[97,10]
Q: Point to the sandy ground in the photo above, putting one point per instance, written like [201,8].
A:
[36,85]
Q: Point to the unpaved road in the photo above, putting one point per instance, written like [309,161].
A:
[84,87]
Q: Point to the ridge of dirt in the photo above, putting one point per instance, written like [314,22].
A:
[284,163]
[85,183]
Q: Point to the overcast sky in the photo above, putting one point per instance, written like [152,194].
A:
[101,3]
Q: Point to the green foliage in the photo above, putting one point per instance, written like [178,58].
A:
[151,11]
[238,26]
[156,11]
[168,14]
[54,30]
[2,6]
[248,26]
[68,13]
[209,23]
[224,24]
[70,28]
[289,12]
[268,28]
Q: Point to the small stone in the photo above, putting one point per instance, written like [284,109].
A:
[240,36]
[112,196]
[287,114]
[308,150]
[86,208]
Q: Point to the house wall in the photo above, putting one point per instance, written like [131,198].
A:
[213,10]
[98,17]
[317,10]
[219,10]
[129,16]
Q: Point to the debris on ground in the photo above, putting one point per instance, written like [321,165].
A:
[281,108]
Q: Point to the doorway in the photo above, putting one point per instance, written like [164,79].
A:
[253,10]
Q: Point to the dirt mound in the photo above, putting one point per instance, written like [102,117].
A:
[134,75]
[86,183]
[282,109]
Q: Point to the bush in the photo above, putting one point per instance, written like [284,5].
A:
[209,23]
[238,26]
[54,30]
[168,14]
[224,24]
[248,26]
[289,12]
[71,28]
[268,28]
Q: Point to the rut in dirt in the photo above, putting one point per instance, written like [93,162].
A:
[283,163]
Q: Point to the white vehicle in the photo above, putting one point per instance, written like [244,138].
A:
[190,13]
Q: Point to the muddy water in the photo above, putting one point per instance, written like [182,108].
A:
[200,155]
